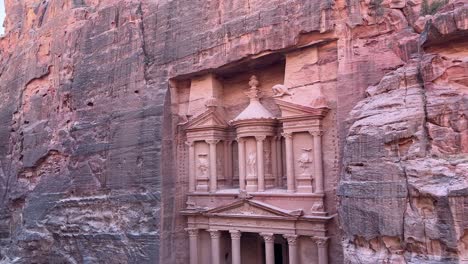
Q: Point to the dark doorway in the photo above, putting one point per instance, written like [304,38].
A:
[278,253]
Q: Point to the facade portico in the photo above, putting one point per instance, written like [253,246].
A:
[255,175]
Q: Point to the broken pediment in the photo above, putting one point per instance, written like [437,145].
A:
[212,118]
[250,208]
[289,109]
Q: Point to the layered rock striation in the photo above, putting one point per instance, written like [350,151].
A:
[87,146]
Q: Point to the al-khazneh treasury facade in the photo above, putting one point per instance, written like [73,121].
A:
[253,156]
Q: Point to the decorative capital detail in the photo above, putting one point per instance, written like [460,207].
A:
[240,140]
[260,138]
[316,133]
[292,239]
[214,233]
[189,143]
[287,134]
[193,232]
[268,237]
[235,234]
[212,141]
[321,241]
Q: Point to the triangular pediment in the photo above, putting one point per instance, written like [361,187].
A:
[212,117]
[249,208]
[289,109]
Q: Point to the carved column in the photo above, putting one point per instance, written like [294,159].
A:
[241,150]
[260,163]
[318,163]
[193,244]
[235,246]
[322,247]
[228,162]
[279,161]
[289,161]
[292,241]
[191,181]
[269,248]
[213,171]
[215,246]
[274,161]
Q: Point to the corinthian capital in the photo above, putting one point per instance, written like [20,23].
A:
[287,134]
[316,133]
[292,239]
[321,241]
[193,232]
[212,141]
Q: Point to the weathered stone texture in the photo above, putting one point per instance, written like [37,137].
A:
[87,152]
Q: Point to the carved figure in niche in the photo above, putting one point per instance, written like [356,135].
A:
[219,166]
[203,164]
[305,160]
[279,90]
[251,164]
[266,154]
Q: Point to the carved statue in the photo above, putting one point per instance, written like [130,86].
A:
[251,164]
[203,164]
[279,90]
[266,154]
[304,160]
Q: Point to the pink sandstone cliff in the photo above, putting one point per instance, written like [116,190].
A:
[86,146]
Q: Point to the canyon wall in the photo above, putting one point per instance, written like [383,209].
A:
[87,153]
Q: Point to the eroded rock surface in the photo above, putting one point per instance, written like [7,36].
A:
[405,181]
[86,132]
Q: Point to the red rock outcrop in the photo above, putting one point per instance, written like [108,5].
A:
[87,152]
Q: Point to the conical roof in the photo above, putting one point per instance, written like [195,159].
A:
[255,109]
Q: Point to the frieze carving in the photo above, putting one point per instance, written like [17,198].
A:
[279,90]
[305,161]
[246,209]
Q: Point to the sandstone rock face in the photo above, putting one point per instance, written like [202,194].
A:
[87,152]
[404,185]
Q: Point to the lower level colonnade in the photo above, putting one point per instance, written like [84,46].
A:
[268,238]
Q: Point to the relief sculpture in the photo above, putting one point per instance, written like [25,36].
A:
[252,164]
[305,161]
[203,165]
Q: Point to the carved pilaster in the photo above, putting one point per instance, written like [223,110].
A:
[193,244]
[213,170]
[292,245]
[269,248]
[322,248]
[191,145]
[215,246]
[260,163]
[318,160]
[235,246]
[289,161]
[241,150]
